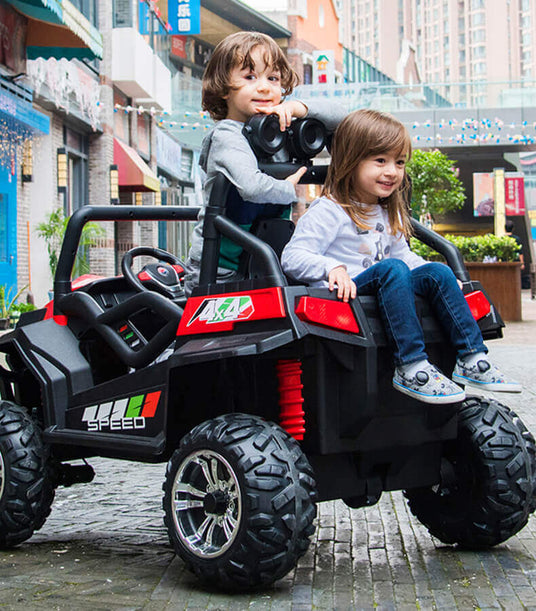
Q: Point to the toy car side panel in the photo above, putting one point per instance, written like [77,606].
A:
[50,352]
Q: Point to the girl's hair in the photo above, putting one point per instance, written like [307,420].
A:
[235,50]
[362,134]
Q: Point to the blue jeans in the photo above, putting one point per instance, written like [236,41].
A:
[395,287]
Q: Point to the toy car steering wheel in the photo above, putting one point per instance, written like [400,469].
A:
[161,275]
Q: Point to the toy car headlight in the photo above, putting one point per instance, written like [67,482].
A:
[306,138]
[264,135]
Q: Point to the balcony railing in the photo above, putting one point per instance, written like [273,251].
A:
[391,97]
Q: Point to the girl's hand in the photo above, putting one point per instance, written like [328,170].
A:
[346,287]
[295,178]
[285,111]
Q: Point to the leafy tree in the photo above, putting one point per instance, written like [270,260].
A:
[436,188]
[52,231]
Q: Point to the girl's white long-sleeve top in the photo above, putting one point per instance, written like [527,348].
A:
[326,237]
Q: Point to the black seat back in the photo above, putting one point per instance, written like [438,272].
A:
[276,233]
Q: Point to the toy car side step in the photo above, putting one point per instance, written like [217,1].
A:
[124,445]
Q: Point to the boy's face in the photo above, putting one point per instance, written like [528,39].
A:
[252,90]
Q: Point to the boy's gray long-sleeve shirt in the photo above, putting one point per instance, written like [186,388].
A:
[326,237]
[226,151]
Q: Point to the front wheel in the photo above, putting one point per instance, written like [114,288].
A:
[26,488]
[488,479]
[239,501]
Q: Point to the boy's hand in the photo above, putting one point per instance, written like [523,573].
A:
[295,178]
[346,287]
[285,111]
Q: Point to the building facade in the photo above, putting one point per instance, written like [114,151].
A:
[455,41]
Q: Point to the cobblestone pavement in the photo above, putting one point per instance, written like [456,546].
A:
[104,545]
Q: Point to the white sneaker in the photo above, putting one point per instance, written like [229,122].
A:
[428,385]
[484,375]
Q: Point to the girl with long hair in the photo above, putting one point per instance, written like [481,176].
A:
[355,239]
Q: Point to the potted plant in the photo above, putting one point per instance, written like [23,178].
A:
[52,230]
[492,260]
[8,305]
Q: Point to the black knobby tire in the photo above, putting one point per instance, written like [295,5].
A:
[26,489]
[488,486]
[239,501]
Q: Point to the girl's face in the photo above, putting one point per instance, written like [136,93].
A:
[379,176]
[252,89]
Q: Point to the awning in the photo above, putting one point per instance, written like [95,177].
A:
[134,173]
[57,29]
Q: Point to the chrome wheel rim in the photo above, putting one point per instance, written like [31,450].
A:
[206,504]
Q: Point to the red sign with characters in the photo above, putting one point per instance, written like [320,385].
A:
[178,46]
[514,194]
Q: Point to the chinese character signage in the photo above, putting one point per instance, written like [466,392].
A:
[483,186]
[514,194]
[323,67]
[178,46]
[184,16]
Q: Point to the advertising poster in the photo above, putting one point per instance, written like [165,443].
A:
[483,189]
[514,194]
[483,203]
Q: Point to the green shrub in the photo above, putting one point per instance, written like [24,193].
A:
[474,248]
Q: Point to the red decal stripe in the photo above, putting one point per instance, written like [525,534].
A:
[151,403]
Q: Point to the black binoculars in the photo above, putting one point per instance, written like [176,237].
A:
[303,140]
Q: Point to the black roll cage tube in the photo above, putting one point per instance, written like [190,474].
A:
[217,224]
[87,214]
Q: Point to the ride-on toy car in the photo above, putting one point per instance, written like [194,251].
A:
[264,398]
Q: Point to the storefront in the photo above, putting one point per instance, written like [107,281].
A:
[177,187]
[19,124]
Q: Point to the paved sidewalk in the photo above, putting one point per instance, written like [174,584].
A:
[105,547]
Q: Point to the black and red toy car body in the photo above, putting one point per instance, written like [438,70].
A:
[263,397]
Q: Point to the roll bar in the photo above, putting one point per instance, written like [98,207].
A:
[443,247]
[217,224]
[86,214]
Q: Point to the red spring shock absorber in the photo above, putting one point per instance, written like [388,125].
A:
[291,416]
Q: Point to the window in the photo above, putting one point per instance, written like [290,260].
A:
[321,16]
[478,19]
[77,148]
[122,14]
[88,8]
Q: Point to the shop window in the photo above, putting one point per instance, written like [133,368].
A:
[77,149]
[88,8]
[144,135]
[307,74]
[123,14]
[121,117]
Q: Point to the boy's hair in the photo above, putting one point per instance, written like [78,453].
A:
[362,134]
[235,50]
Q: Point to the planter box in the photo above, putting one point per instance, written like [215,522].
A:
[502,282]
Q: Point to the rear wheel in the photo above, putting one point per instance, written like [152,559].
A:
[239,501]
[488,479]
[26,490]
